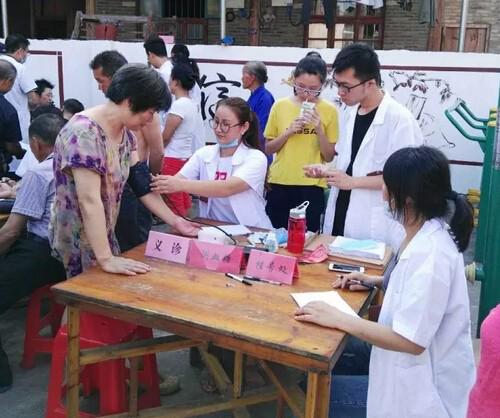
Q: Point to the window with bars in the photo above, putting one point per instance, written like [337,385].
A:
[185,8]
[353,22]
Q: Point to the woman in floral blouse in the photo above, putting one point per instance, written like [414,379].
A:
[92,158]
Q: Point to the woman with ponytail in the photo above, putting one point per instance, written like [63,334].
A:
[230,175]
[180,55]
[183,132]
[421,363]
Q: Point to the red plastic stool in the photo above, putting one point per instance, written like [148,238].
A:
[33,342]
[108,377]
[148,375]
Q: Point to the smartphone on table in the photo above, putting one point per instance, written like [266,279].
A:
[345,268]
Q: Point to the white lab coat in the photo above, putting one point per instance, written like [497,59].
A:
[393,127]
[426,302]
[248,164]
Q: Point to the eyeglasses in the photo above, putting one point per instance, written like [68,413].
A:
[347,89]
[224,127]
[309,92]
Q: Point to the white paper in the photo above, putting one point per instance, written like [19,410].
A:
[331,297]
[235,229]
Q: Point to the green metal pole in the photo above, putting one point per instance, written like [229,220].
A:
[490,288]
[485,193]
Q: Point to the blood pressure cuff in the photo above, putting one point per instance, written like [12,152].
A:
[139,179]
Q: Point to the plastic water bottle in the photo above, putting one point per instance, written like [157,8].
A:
[297,228]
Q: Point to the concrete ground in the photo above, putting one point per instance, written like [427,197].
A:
[27,398]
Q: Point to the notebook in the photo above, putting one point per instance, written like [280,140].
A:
[366,248]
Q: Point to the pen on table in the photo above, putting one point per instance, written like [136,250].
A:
[256,279]
[238,279]
[359,282]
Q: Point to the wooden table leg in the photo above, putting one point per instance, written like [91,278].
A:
[134,386]
[280,407]
[318,395]
[238,374]
[73,367]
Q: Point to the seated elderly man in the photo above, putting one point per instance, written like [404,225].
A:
[25,255]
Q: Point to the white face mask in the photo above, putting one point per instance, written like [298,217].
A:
[233,144]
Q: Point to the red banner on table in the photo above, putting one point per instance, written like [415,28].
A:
[167,247]
[271,266]
[216,257]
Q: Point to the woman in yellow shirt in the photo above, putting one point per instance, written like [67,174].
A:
[300,134]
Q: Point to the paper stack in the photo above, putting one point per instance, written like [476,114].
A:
[366,248]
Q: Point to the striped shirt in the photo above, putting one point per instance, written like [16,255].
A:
[35,195]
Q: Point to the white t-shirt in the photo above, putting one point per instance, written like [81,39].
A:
[29,162]
[427,303]
[220,207]
[187,138]
[195,93]
[17,96]
[165,70]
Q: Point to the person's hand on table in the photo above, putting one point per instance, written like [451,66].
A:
[320,313]
[125,266]
[344,281]
[339,179]
[166,184]
[185,227]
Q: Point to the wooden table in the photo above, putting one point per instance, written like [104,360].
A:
[204,306]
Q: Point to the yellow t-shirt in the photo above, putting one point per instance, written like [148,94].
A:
[300,149]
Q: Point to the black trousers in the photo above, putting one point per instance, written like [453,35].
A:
[133,223]
[282,198]
[27,266]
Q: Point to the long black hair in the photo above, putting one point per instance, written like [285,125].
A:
[184,75]
[180,54]
[420,177]
[244,114]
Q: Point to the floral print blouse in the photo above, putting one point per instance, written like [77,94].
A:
[82,144]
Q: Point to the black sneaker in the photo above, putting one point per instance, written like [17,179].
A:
[5,372]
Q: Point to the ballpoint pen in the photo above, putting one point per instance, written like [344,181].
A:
[256,279]
[359,282]
[238,279]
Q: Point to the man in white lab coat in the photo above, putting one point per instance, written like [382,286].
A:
[373,129]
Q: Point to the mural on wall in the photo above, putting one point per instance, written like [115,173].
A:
[209,97]
[423,88]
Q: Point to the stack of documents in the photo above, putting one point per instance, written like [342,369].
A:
[366,248]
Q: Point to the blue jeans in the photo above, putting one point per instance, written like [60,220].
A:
[348,396]
[350,381]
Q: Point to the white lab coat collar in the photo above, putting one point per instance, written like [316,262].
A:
[422,236]
[377,120]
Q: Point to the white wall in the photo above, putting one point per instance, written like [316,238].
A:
[479,88]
